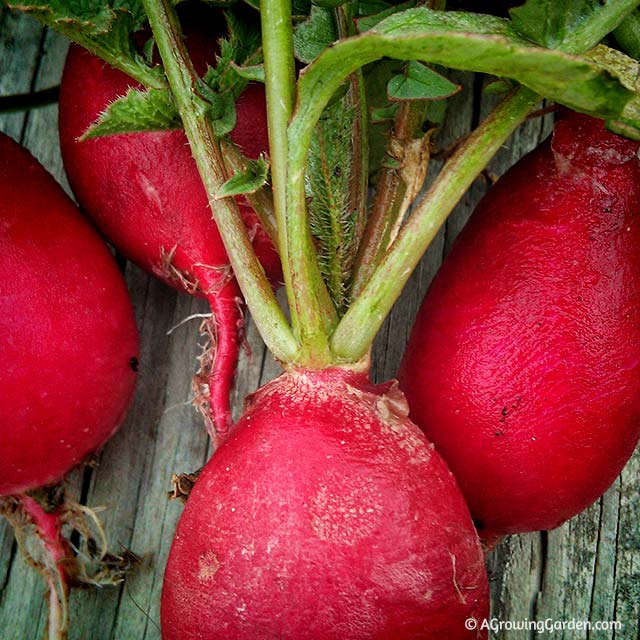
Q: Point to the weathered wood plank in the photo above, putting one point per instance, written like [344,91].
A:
[588,569]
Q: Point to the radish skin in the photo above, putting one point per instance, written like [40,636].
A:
[70,344]
[144,192]
[523,366]
[325,515]
[68,361]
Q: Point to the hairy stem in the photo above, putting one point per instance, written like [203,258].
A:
[356,98]
[193,107]
[360,324]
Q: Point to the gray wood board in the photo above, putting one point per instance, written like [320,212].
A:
[589,569]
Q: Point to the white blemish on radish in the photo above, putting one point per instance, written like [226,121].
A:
[208,566]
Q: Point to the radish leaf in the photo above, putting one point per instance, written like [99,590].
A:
[420,83]
[549,22]
[248,181]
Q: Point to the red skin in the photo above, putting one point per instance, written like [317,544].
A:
[67,325]
[144,192]
[523,366]
[326,515]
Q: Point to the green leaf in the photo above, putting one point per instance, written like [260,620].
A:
[152,110]
[329,4]
[371,7]
[383,114]
[241,48]
[248,181]
[549,22]
[462,41]
[372,18]
[103,27]
[497,87]
[628,70]
[155,110]
[420,83]
[253,73]
[315,34]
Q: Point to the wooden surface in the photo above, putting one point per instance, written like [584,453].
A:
[588,569]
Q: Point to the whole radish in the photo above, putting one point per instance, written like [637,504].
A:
[523,366]
[326,515]
[69,354]
[144,193]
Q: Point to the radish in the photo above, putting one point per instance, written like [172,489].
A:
[326,515]
[523,366]
[69,355]
[144,193]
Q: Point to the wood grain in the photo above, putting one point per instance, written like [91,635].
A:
[587,570]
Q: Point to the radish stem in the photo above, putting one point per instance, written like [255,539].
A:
[312,312]
[205,147]
[360,324]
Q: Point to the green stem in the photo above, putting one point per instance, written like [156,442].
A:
[193,108]
[312,312]
[360,324]
[277,46]
[627,35]
[605,20]
[357,329]
[387,208]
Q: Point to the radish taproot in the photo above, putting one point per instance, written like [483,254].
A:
[68,360]
[523,366]
[326,515]
[143,191]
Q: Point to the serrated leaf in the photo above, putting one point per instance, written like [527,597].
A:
[420,83]
[248,181]
[548,22]
[151,110]
[103,27]
[155,110]
[240,48]
[315,34]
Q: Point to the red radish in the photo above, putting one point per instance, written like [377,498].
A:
[70,345]
[326,515]
[69,354]
[145,194]
[524,363]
